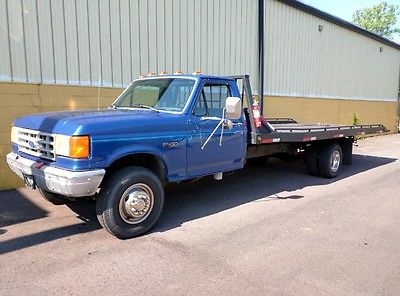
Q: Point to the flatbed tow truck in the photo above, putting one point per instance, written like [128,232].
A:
[162,129]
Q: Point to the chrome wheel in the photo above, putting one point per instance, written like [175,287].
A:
[136,203]
[335,161]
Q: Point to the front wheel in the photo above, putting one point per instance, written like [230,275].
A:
[130,202]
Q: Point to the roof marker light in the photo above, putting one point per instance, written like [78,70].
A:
[163,73]
[196,72]
[179,72]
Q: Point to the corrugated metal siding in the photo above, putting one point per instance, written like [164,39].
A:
[106,42]
[46,44]
[31,39]
[109,43]
[334,63]
[5,61]
[17,40]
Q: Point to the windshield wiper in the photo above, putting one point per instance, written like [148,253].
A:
[145,107]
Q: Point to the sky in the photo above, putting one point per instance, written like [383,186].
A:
[345,8]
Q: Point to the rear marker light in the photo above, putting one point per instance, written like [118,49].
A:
[307,139]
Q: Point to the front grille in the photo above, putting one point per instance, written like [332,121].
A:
[36,143]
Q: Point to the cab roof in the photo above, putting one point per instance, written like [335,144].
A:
[195,76]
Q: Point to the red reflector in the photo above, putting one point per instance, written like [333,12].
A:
[264,141]
[306,139]
[39,165]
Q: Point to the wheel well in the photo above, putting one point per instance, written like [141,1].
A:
[145,160]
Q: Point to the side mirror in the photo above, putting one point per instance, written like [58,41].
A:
[233,108]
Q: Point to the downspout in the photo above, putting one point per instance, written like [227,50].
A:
[398,106]
[261,53]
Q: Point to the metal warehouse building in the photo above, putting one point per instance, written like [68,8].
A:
[308,65]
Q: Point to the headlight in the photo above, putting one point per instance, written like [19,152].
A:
[14,134]
[72,146]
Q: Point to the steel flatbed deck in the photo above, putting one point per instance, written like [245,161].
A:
[297,132]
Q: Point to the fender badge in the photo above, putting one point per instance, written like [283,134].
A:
[170,144]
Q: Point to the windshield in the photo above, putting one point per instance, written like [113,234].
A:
[170,94]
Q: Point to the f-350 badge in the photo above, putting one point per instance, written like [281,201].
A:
[170,144]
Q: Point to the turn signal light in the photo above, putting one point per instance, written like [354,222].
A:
[79,147]
[72,146]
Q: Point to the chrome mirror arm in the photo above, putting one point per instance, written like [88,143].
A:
[222,122]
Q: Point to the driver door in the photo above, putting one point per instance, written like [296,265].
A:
[205,116]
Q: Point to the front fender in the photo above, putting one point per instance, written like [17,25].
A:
[174,158]
[135,149]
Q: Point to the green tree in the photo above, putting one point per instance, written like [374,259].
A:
[380,19]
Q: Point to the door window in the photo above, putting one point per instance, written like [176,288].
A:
[212,99]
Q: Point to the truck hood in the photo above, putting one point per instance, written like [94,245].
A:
[95,122]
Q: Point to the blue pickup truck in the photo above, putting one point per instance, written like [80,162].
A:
[162,129]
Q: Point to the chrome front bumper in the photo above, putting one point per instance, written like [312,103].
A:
[68,183]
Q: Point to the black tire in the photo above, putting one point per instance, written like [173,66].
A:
[109,203]
[312,160]
[330,160]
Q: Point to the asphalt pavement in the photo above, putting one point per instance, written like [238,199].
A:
[269,229]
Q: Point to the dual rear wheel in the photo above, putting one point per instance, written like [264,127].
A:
[325,161]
